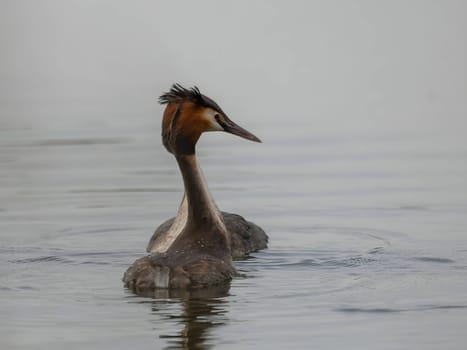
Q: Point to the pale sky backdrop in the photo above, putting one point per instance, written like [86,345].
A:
[326,64]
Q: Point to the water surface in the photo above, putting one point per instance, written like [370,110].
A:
[367,239]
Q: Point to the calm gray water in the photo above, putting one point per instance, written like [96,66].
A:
[360,182]
[367,239]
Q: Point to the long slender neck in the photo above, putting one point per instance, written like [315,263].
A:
[197,214]
[202,210]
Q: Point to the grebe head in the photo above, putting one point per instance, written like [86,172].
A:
[188,114]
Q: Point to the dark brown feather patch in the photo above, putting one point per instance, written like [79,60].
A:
[179,94]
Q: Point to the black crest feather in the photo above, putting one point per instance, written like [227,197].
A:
[179,94]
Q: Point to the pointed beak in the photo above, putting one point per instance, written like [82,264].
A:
[232,128]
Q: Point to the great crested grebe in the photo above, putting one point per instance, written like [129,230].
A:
[194,249]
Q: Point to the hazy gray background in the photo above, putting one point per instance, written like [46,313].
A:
[344,64]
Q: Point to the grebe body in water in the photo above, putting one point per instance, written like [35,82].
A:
[194,249]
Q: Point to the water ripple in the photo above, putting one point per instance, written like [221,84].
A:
[77,258]
[434,260]
[397,310]
[311,258]
[126,190]
[41,259]
[81,141]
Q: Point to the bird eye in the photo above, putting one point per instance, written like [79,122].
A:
[220,120]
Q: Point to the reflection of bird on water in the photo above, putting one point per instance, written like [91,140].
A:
[194,249]
[202,311]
